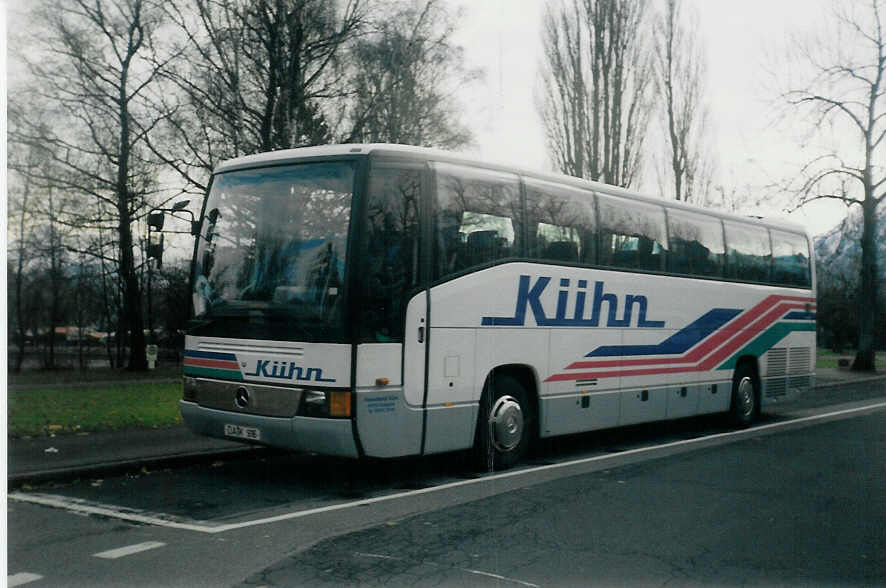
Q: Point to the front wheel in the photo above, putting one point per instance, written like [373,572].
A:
[745,405]
[504,427]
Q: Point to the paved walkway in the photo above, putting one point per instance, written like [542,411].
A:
[64,456]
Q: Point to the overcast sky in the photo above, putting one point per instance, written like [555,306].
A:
[503,37]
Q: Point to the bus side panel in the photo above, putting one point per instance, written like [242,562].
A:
[452,406]
[579,405]
[386,424]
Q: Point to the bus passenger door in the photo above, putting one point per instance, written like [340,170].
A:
[415,350]
[392,323]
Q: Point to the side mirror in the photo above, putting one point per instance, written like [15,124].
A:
[155,220]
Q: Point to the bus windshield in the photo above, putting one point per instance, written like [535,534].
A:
[271,254]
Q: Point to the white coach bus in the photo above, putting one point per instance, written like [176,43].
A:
[383,301]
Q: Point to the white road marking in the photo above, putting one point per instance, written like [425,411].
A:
[127,514]
[22,578]
[504,578]
[436,565]
[129,550]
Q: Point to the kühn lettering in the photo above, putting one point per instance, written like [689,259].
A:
[529,295]
[283,370]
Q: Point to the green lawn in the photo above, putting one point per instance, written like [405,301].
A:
[45,410]
[828,359]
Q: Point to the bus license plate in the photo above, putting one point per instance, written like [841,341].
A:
[250,433]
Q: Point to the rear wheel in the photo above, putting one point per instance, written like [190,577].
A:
[745,405]
[505,424]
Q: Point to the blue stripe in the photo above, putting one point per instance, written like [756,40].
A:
[210,355]
[799,315]
[679,342]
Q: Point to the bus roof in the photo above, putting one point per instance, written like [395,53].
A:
[423,153]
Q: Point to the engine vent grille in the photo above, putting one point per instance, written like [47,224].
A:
[800,360]
[776,387]
[777,362]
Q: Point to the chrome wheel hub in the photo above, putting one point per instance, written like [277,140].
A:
[506,424]
[746,396]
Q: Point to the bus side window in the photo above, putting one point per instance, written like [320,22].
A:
[476,220]
[390,261]
[632,234]
[790,259]
[748,253]
[696,244]
[562,223]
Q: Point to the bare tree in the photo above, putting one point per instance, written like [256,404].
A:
[846,87]
[21,199]
[404,74]
[679,74]
[254,77]
[96,65]
[595,79]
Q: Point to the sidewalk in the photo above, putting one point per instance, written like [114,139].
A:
[90,454]
[65,456]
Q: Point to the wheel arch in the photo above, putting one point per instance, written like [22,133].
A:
[527,377]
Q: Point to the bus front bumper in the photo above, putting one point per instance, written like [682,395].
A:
[317,435]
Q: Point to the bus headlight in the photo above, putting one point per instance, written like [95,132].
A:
[320,404]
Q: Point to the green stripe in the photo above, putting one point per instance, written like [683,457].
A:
[213,373]
[765,341]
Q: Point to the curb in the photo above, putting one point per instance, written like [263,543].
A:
[850,382]
[14,481]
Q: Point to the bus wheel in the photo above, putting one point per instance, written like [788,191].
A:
[504,428]
[744,406]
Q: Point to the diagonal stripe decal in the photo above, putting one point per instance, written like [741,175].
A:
[734,334]
[212,364]
[679,342]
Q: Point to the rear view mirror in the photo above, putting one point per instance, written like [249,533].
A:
[155,220]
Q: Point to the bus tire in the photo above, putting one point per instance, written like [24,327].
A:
[504,425]
[744,406]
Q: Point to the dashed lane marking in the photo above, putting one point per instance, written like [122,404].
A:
[129,550]
[22,578]
[80,506]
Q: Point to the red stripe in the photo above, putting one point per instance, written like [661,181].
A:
[699,352]
[212,363]
[732,337]
[746,335]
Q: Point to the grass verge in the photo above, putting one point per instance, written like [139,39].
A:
[829,359]
[40,411]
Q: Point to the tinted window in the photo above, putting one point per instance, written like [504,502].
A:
[790,259]
[561,223]
[390,262]
[632,234]
[476,218]
[696,244]
[747,252]
[273,249]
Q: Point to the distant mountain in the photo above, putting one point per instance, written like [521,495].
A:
[838,252]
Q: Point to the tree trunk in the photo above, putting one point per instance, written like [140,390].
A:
[867,287]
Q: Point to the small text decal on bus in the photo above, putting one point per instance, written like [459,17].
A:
[529,294]
[287,370]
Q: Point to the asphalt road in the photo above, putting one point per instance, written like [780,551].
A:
[679,503]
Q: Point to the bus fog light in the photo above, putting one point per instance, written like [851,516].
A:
[189,389]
